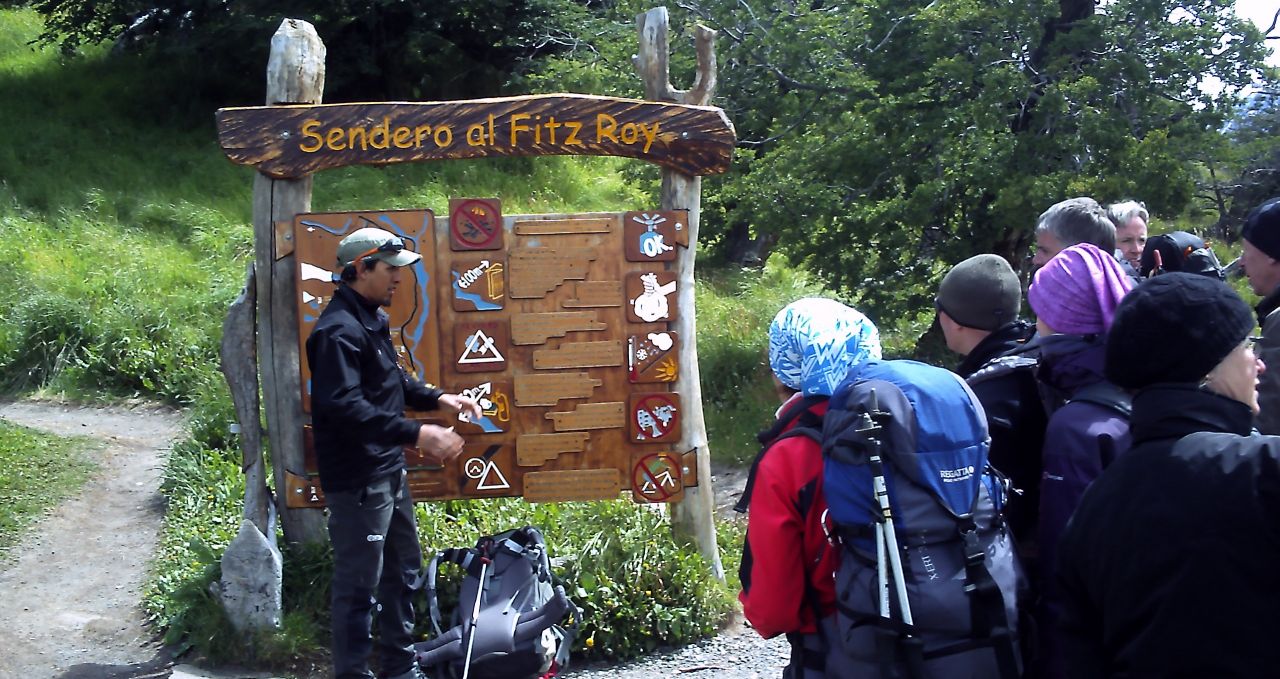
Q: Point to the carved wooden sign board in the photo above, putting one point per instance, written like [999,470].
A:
[556,324]
[287,142]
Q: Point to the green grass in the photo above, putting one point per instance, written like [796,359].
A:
[37,470]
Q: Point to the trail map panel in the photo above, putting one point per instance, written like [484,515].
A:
[543,331]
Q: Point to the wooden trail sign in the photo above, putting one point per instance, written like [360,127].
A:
[294,136]
[571,397]
[295,141]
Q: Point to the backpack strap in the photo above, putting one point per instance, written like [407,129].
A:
[432,570]
[807,424]
[1003,365]
[1107,395]
[989,618]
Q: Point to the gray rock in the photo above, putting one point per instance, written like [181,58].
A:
[251,580]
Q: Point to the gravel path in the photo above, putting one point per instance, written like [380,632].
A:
[69,601]
[736,653]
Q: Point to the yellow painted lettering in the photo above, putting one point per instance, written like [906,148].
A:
[475,135]
[309,133]
[352,133]
[516,127]
[401,138]
[630,134]
[606,128]
[572,140]
[385,130]
[334,139]
[650,134]
[418,133]
[443,136]
[552,125]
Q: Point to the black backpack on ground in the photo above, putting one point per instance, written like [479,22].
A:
[516,633]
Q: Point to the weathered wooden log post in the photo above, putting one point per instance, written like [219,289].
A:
[295,75]
[694,517]
[240,368]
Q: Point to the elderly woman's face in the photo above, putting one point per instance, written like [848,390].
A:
[1237,376]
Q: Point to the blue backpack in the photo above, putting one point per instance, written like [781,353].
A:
[928,579]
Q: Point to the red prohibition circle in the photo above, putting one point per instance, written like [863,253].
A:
[660,400]
[463,213]
[641,473]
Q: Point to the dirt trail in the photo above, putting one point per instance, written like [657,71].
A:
[69,599]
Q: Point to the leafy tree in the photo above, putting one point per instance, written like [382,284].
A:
[378,49]
[1245,170]
[887,139]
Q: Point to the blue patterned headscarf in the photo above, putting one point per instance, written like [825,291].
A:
[815,342]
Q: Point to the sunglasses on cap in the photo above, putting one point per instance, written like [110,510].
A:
[393,245]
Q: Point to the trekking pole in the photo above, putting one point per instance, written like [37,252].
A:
[475,617]
[882,572]
[885,528]
[890,540]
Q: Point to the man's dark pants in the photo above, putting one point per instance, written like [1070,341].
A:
[375,552]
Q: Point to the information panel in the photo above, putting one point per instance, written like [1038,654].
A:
[557,324]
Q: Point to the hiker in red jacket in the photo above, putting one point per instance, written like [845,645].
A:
[790,588]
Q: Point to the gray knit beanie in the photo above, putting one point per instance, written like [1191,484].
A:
[981,292]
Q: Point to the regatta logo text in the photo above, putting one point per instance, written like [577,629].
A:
[956,475]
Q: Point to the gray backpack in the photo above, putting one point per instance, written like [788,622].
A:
[507,623]
[928,581]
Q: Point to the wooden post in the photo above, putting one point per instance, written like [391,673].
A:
[694,517]
[240,367]
[295,75]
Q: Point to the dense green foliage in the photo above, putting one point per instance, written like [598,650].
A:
[36,471]
[390,49]
[891,139]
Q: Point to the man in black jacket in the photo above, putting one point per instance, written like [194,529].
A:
[1167,563]
[358,397]
[978,304]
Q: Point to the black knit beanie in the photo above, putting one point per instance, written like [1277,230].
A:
[1174,328]
[981,292]
[1262,228]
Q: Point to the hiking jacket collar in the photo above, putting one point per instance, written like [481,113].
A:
[1268,304]
[1171,411]
[1001,341]
[1069,362]
[370,314]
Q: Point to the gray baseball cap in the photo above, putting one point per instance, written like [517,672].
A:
[371,243]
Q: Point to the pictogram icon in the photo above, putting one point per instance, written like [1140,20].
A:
[653,357]
[655,417]
[657,478]
[475,224]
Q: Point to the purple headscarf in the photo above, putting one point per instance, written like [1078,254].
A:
[1076,292]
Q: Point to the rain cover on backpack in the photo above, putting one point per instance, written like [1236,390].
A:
[517,633]
[957,556]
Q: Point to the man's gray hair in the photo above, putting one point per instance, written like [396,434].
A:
[1123,212]
[1079,220]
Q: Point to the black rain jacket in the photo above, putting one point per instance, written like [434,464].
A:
[1168,567]
[359,393]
